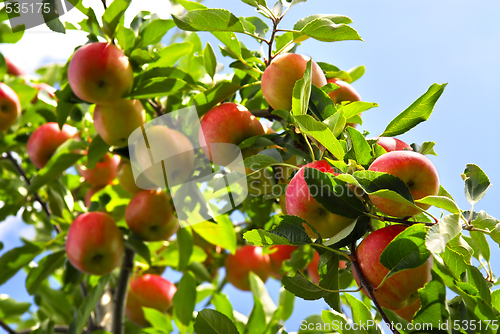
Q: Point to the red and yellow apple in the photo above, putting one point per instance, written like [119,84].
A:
[247,259]
[94,244]
[104,171]
[14,68]
[228,123]
[100,73]
[125,177]
[414,169]
[280,77]
[150,291]
[300,202]
[345,92]
[278,254]
[45,140]
[116,121]
[150,215]
[10,107]
[393,144]
[400,290]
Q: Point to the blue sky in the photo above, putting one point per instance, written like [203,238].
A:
[408,45]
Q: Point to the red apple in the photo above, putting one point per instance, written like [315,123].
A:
[280,77]
[300,202]
[45,140]
[412,168]
[100,73]
[10,107]
[178,153]
[125,177]
[312,268]
[94,244]
[246,259]
[228,123]
[400,290]
[393,144]
[115,122]
[104,171]
[51,91]
[345,93]
[409,311]
[278,255]
[14,68]
[150,215]
[150,291]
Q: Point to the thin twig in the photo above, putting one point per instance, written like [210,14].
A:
[104,4]
[118,326]
[158,109]
[397,220]
[6,327]
[368,288]
[271,41]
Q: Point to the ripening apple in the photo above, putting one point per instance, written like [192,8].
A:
[104,171]
[45,140]
[312,268]
[345,92]
[409,311]
[116,121]
[401,289]
[228,123]
[280,77]
[393,144]
[300,202]
[125,177]
[14,68]
[279,254]
[174,147]
[94,244]
[100,73]
[10,107]
[414,169]
[247,259]
[150,215]
[150,291]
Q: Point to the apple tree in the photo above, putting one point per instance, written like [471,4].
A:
[360,224]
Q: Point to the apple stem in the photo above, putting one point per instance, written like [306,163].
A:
[368,288]
[118,326]
[22,173]
[158,109]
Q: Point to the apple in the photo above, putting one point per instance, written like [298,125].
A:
[115,122]
[45,140]
[409,311]
[104,171]
[125,177]
[393,144]
[13,68]
[312,268]
[345,93]
[414,169]
[94,244]
[150,291]
[401,289]
[300,202]
[280,77]
[279,254]
[150,215]
[90,193]
[10,107]
[177,150]
[51,91]
[228,123]
[246,259]
[100,73]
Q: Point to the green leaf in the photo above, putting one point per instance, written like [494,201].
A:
[87,306]
[213,322]
[45,268]
[354,231]
[255,3]
[476,183]
[314,324]
[208,20]
[190,5]
[154,32]
[359,150]
[338,19]
[208,99]
[406,251]
[185,244]
[260,237]
[486,222]
[15,259]
[286,301]
[356,72]
[158,87]
[326,31]
[125,37]
[185,297]
[259,161]
[302,287]
[9,308]
[223,305]
[433,299]
[139,247]
[210,60]
[319,131]
[321,104]
[261,295]
[439,235]
[355,108]
[220,234]
[417,112]
[302,92]
[261,27]
[476,279]
[334,196]
[292,228]
[495,299]
[97,150]
[113,15]
[441,202]
[427,148]
[233,46]
[333,317]
[158,320]
[170,54]
[51,17]
[361,314]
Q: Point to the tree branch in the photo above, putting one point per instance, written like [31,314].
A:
[368,288]
[266,113]
[6,327]
[118,326]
